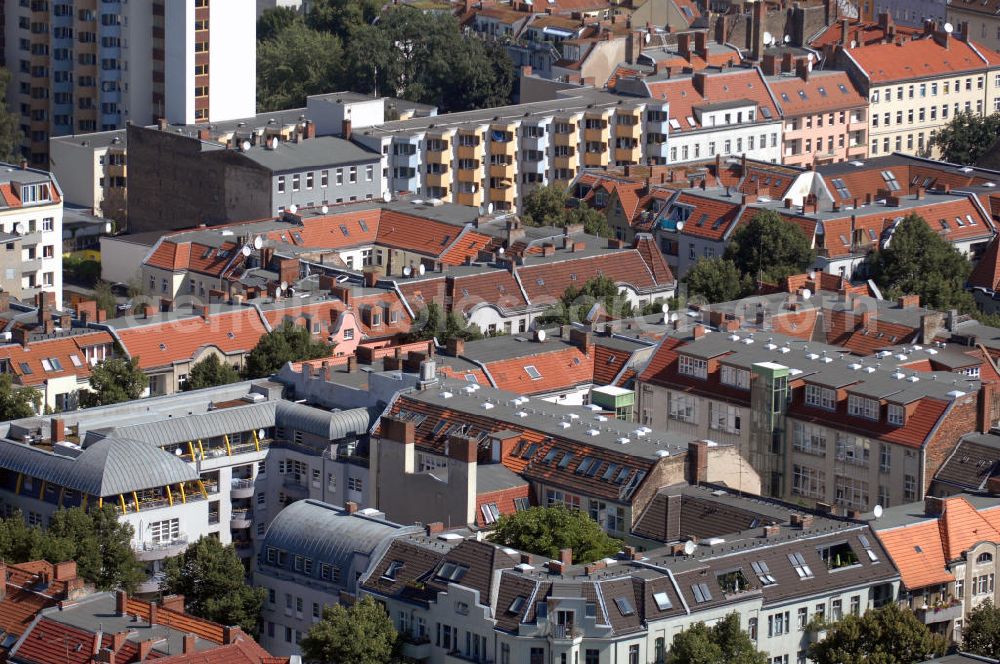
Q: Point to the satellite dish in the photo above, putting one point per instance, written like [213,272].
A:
[284,285]
[19,228]
[812,274]
[665,308]
[647,38]
[293,208]
[949,28]
[387,197]
[541,335]
[245,146]
[258,242]
[107,227]
[325,209]
[811,58]
[877,511]
[489,209]
[500,251]
[689,547]
[680,226]
[274,143]
[806,293]
[421,269]
[788,38]
[768,39]
[482,210]
[674,318]
[246,251]
[178,452]
[407,271]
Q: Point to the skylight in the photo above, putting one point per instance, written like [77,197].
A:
[662,601]
[343,229]
[701,592]
[890,180]
[841,188]
[585,464]
[364,226]
[799,563]
[565,460]
[872,556]
[56,364]
[763,573]
[550,456]
[766,112]
[518,604]
[532,372]
[674,124]
[75,359]
[452,572]
[393,569]
[26,369]
[46,364]
[624,606]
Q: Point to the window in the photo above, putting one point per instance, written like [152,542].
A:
[884,458]
[909,488]
[982,585]
[809,439]
[682,407]
[739,378]
[851,492]
[862,407]
[896,415]
[959,588]
[701,592]
[281,184]
[778,624]
[984,558]
[490,512]
[164,532]
[692,366]
[723,417]
[838,555]
[852,449]
[856,605]
[808,482]
[354,484]
[821,397]
[802,618]
[799,565]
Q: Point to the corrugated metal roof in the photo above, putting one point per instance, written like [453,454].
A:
[195,427]
[106,468]
[328,534]
[329,425]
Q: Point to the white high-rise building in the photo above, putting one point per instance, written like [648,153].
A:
[79,69]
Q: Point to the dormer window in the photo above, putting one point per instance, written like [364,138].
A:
[821,397]
[863,407]
[896,415]
[738,378]
[692,366]
[35,193]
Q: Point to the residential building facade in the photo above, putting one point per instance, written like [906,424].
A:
[31,219]
[93,171]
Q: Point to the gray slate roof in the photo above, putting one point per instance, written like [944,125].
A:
[328,425]
[107,468]
[194,427]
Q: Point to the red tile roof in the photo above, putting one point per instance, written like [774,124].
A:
[869,33]
[823,92]
[428,237]
[327,312]
[63,349]
[163,343]
[560,367]
[11,200]
[551,279]
[710,219]
[496,287]
[987,271]
[921,58]
[653,257]
[726,86]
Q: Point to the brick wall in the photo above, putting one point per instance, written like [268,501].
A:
[504,500]
[958,421]
[667,471]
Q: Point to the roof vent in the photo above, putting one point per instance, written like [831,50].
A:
[446,395]
[486,405]
[592,432]
[624,441]
[521,413]
[564,424]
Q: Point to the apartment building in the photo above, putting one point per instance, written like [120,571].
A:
[220,462]
[908,106]
[492,158]
[979,18]
[254,168]
[188,61]
[826,120]
[453,597]
[947,557]
[911,13]
[31,224]
[727,112]
[312,556]
[853,430]
[92,170]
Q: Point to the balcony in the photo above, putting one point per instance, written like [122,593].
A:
[471,199]
[595,158]
[241,519]
[940,614]
[628,131]
[502,171]
[657,127]
[438,156]
[861,125]
[633,155]
[858,150]
[596,135]
[467,152]
[566,161]
[508,148]
[534,142]
[469,174]
[657,149]
[438,179]
[146,551]
[241,489]
[564,632]
[416,647]
[569,138]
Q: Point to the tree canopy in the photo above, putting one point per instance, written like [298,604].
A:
[212,579]
[272,21]
[981,632]
[288,343]
[17,402]
[362,634]
[576,303]
[407,53]
[549,206]
[967,137]
[723,643]
[10,124]
[97,540]
[114,380]
[919,261]
[432,323]
[717,280]
[770,248]
[211,372]
[547,530]
[888,635]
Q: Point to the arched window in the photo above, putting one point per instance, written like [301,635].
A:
[984,558]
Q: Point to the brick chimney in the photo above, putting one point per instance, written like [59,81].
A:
[933,506]
[121,601]
[684,46]
[57,429]
[351,507]
[64,571]
[118,640]
[698,80]
[398,430]
[456,347]
[188,647]
[757,30]
[173,603]
[701,44]
[566,557]
[697,461]
[345,130]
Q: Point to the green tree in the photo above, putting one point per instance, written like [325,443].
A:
[717,280]
[593,221]
[967,137]
[213,581]
[211,372]
[341,17]
[288,343]
[576,303]
[17,402]
[770,248]
[105,298]
[547,530]
[919,261]
[362,634]
[723,643]
[10,132]
[98,542]
[433,323]
[981,633]
[545,206]
[102,546]
[889,635]
[114,380]
[295,63]
[274,20]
